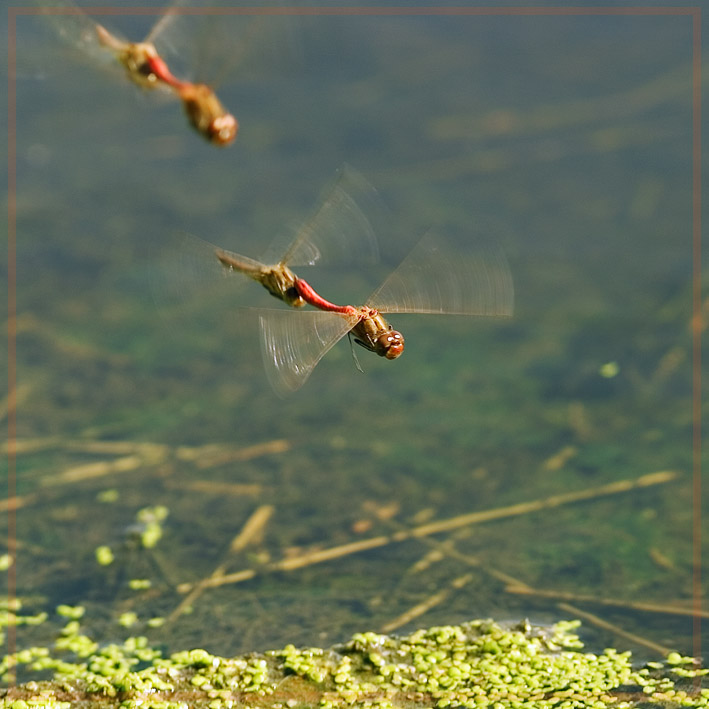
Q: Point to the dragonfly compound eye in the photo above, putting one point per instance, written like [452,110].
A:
[390,344]
[223,129]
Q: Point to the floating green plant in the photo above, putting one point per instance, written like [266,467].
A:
[476,664]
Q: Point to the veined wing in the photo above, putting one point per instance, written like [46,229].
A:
[191,271]
[342,228]
[292,343]
[434,278]
[77,29]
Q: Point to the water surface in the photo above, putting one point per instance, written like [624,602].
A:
[572,135]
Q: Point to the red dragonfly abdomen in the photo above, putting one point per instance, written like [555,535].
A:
[308,294]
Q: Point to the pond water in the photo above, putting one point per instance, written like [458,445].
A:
[571,134]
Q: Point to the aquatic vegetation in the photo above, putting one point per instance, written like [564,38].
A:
[475,664]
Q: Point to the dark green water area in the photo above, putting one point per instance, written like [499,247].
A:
[538,467]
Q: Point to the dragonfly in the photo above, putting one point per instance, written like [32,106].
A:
[433,279]
[342,227]
[145,67]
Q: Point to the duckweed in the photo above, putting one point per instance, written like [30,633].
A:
[151,518]
[104,555]
[473,665]
[127,619]
[72,612]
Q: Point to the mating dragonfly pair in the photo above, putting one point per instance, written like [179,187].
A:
[432,279]
[144,65]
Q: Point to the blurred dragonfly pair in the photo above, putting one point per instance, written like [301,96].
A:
[180,31]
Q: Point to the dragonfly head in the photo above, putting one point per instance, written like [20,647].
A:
[389,344]
[222,130]
[375,334]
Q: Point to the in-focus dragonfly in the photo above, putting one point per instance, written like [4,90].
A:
[432,279]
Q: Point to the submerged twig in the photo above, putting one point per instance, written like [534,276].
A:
[431,602]
[446,548]
[79,473]
[616,602]
[212,487]
[322,555]
[546,503]
[250,533]
[211,456]
[136,455]
[617,630]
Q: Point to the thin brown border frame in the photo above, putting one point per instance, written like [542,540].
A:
[536,11]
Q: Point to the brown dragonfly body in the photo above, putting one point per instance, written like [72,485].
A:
[278,280]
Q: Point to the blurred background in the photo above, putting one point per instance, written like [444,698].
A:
[572,135]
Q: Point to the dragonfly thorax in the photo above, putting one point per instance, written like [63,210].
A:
[136,57]
[280,282]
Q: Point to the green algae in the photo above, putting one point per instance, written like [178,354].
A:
[476,664]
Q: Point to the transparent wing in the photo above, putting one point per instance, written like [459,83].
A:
[342,228]
[77,30]
[161,29]
[435,278]
[81,33]
[292,343]
[191,272]
[178,36]
[211,43]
